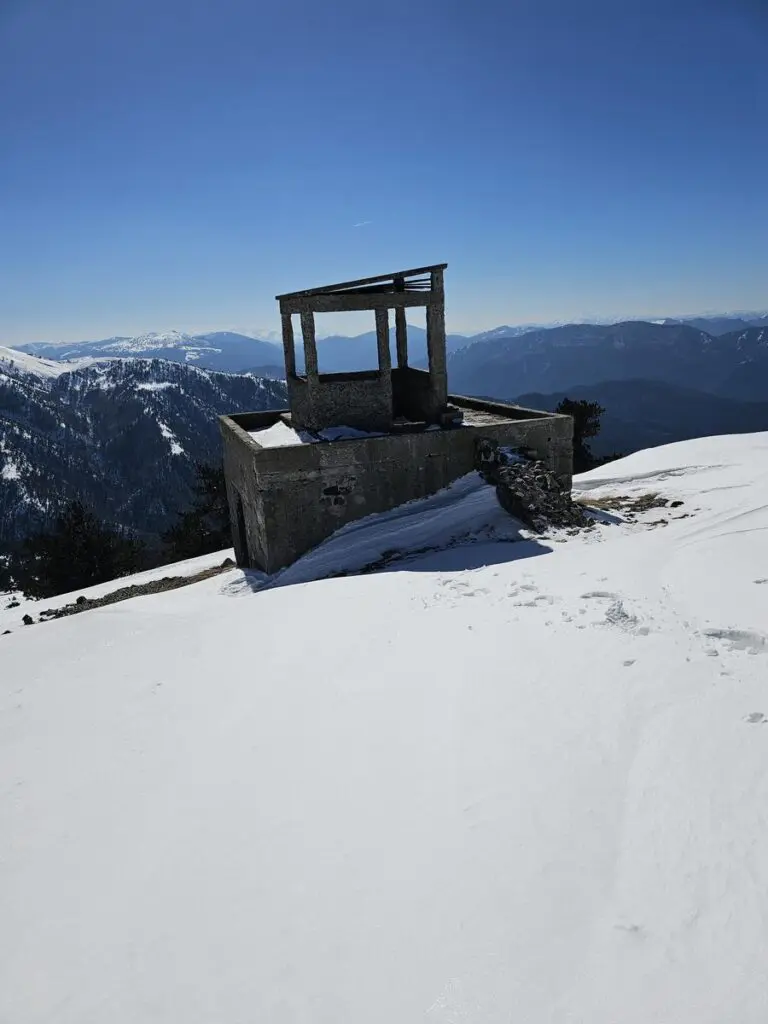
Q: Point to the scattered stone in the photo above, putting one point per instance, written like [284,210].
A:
[13,604]
[6,632]
[227,563]
[527,490]
[676,504]
[28,620]
[82,604]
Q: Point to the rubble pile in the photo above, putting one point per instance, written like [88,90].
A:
[527,490]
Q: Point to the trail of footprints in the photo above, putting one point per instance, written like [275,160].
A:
[615,615]
[614,611]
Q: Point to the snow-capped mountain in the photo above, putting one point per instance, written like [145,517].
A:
[519,779]
[220,350]
[233,352]
[124,435]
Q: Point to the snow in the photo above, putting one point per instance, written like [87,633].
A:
[25,363]
[280,435]
[160,385]
[10,471]
[152,340]
[39,367]
[496,782]
[168,434]
[11,618]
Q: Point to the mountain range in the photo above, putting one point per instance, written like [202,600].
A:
[122,428]
[731,365]
[122,435]
[232,352]
[643,414]
[221,350]
[237,353]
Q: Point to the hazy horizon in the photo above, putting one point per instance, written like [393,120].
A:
[273,334]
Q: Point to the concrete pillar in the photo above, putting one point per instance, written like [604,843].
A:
[401,330]
[310,348]
[401,334]
[382,340]
[289,351]
[436,340]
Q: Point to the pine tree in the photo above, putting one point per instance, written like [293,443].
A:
[586,423]
[205,526]
[78,552]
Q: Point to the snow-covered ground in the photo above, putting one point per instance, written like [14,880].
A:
[12,618]
[37,366]
[529,790]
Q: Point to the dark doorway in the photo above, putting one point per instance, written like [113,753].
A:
[241,541]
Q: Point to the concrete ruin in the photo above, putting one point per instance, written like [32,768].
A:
[351,444]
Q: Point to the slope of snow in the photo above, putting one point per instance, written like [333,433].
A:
[530,790]
[148,342]
[14,360]
[25,363]
[12,618]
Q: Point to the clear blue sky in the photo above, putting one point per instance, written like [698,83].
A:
[177,163]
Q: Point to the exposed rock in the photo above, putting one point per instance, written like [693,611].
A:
[28,620]
[83,604]
[527,489]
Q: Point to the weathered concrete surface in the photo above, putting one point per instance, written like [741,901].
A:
[362,400]
[285,501]
[369,401]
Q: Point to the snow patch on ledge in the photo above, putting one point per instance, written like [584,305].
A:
[280,435]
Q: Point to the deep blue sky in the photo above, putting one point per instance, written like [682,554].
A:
[177,163]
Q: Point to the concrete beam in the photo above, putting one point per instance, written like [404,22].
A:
[401,274]
[345,303]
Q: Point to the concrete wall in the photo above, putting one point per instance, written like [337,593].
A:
[362,400]
[414,395]
[294,497]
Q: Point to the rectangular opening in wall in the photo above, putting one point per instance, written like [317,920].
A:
[346,342]
[242,534]
[416,334]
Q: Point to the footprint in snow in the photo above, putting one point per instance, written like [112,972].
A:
[616,614]
[740,639]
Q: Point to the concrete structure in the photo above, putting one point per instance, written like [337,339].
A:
[290,487]
[380,398]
